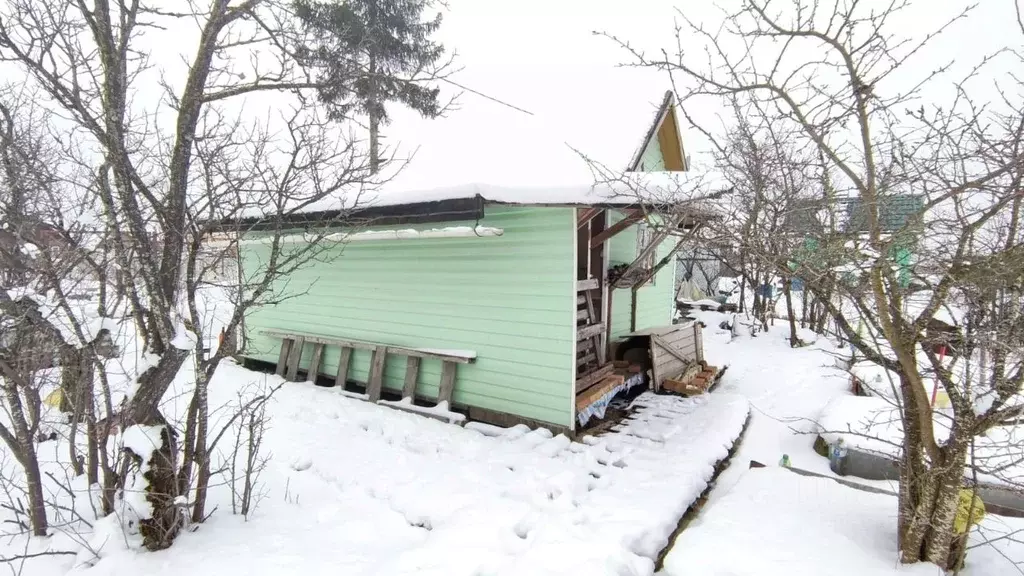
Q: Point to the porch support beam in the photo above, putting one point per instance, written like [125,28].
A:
[655,241]
[586,215]
[632,217]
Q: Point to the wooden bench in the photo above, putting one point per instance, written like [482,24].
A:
[292,344]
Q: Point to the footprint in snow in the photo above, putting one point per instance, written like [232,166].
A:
[302,464]
[554,446]
[577,448]
[525,525]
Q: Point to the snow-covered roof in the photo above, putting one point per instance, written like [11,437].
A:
[634,188]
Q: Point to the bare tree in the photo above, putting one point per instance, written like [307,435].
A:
[772,182]
[827,69]
[39,263]
[166,203]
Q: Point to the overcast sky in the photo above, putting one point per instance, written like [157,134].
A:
[541,55]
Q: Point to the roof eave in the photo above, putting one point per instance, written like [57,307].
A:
[436,211]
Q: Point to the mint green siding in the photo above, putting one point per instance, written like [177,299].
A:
[652,159]
[511,299]
[654,302]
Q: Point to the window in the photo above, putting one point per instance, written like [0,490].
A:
[644,237]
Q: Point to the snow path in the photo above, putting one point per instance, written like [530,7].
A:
[354,488]
[787,389]
[792,525]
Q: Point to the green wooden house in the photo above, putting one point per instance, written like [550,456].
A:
[492,301]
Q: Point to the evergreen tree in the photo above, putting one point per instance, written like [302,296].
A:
[369,53]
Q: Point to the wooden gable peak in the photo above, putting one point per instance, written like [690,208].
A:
[665,129]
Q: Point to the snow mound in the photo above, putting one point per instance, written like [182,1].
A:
[872,424]
[792,525]
[867,423]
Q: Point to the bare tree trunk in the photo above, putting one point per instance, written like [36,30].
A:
[37,505]
[755,309]
[98,443]
[929,491]
[374,143]
[159,530]
[822,314]
[787,290]
[743,288]
[201,451]
[761,300]
[189,443]
[71,358]
[92,464]
[927,508]
[22,445]
[374,117]
[76,384]
[803,309]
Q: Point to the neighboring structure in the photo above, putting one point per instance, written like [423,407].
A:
[697,271]
[495,301]
[896,213]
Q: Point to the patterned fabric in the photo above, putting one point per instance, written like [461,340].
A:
[597,409]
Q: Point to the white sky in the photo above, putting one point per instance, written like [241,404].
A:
[541,55]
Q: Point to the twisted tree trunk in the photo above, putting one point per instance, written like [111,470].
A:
[162,527]
[929,490]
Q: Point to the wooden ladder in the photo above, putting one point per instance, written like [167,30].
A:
[591,363]
[291,354]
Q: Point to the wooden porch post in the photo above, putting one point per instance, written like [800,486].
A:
[608,325]
[632,308]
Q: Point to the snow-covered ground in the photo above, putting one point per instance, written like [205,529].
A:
[786,524]
[787,388]
[792,525]
[355,488]
[872,424]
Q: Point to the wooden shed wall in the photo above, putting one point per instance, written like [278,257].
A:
[511,299]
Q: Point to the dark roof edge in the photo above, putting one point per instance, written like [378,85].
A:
[435,211]
[448,210]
